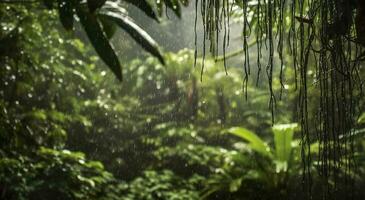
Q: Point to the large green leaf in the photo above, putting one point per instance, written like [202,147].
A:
[100,41]
[283,137]
[66,12]
[109,27]
[255,142]
[136,32]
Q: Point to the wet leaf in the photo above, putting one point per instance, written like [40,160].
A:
[136,32]
[255,142]
[100,41]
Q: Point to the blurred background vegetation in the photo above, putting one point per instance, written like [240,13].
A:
[69,129]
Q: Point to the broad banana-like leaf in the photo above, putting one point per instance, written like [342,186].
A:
[136,32]
[255,142]
[283,138]
[66,13]
[146,6]
[100,41]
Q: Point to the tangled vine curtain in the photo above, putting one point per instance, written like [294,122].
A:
[326,36]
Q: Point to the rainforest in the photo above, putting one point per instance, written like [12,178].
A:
[182,99]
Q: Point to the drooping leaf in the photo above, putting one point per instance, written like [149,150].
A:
[66,13]
[136,32]
[256,143]
[109,27]
[95,4]
[100,41]
[145,6]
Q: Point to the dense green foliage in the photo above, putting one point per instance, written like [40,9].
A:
[70,130]
[99,19]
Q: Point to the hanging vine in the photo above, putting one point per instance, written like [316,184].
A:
[326,36]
